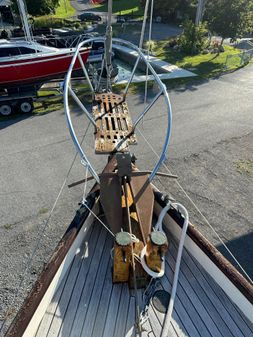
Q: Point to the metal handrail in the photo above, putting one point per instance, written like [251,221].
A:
[163,89]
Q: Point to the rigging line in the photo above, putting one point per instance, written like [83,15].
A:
[40,236]
[99,220]
[199,211]
[132,257]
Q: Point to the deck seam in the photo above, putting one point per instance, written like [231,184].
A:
[214,294]
[192,304]
[207,296]
[117,311]
[178,316]
[76,256]
[120,285]
[207,326]
[106,242]
[52,317]
[98,234]
[99,304]
[88,272]
[231,302]
[204,306]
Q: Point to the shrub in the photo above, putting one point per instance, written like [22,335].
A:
[193,40]
[149,45]
[52,22]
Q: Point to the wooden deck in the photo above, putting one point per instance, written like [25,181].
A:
[87,304]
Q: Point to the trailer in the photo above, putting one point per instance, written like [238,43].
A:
[17,100]
[21,100]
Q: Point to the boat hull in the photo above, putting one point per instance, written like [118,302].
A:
[37,69]
[77,283]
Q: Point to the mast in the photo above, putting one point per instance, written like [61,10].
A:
[23,16]
[108,43]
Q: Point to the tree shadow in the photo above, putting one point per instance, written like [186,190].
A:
[242,249]
[5,122]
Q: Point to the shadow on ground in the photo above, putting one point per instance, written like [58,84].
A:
[242,249]
[10,120]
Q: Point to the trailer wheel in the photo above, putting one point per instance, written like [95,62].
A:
[5,109]
[26,106]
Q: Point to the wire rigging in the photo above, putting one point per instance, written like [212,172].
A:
[199,211]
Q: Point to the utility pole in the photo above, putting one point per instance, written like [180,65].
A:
[200,11]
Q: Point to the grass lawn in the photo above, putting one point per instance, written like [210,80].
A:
[205,66]
[55,102]
[61,9]
[61,12]
[122,7]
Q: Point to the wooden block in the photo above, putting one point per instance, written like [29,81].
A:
[157,246]
[122,257]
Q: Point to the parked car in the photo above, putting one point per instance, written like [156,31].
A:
[89,17]
[123,18]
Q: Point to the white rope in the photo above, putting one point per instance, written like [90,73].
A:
[184,212]
[199,211]
[149,271]
[134,238]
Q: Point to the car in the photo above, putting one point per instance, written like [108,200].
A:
[120,19]
[89,17]
[123,18]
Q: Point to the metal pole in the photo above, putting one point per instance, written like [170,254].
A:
[24,20]
[144,24]
[200,11]
[108,43]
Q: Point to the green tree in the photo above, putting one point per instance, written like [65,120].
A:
[41,7]
[228,18]
[38,7]
[166,8]
[169,9]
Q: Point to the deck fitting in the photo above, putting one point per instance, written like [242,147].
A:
[161,300]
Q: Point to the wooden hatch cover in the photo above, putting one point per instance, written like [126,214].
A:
[114,127]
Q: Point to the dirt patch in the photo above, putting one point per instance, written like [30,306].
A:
[245,166]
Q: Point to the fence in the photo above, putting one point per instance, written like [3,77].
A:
[239,60]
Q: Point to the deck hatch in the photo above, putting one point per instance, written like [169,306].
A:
[160,300]
[114,127]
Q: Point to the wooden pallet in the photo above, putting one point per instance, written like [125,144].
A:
[114,127]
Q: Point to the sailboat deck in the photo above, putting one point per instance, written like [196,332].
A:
[88,304]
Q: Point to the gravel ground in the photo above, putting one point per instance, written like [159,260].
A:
[223,191]
[212,133]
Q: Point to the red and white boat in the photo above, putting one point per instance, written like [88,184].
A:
[28,62]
